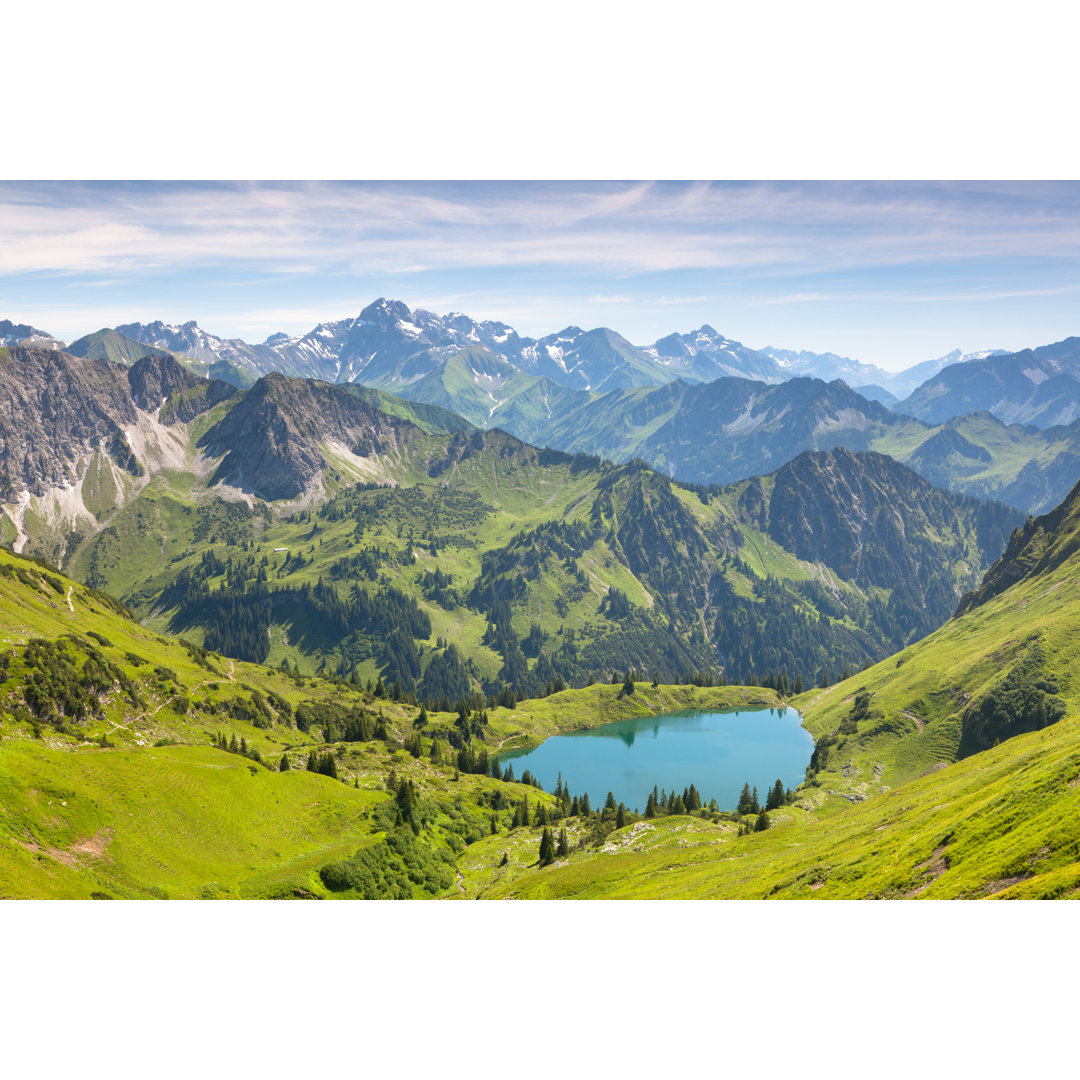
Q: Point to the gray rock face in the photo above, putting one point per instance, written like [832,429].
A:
[877,522]
[1037,386]
[53,409]
[155,378]
[21,334]
[56,408]
[271,439]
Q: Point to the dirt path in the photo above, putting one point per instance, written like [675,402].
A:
[919,722]
[71,606]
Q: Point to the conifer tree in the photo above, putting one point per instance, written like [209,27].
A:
[283,764]
[762,822]
[547,848]
[564,845]
[620,816]
[776,796]
[755,805]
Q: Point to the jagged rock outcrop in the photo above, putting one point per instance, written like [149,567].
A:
[55,408]
[272,439]
[877,522]
[1037,547]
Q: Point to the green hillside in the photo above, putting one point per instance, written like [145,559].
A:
[948,770]
[135,765]
[951,770]
[106,344]
[134,797]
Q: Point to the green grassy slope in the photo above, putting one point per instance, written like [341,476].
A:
[894,810]
[114,783]
[107,344]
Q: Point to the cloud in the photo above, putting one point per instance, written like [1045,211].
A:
[622,228]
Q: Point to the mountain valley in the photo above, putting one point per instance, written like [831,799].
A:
[391,549]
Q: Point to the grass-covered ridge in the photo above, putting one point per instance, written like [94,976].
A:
[903,800]
[92,805]
[135,765]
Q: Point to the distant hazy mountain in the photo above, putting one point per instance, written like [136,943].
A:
[826,366]
[112,345]
[1036,386]
[720,431]
[868,377]
[22,334]
[904,382]
[224,358]
[705,355]
[392,347]
[877,393]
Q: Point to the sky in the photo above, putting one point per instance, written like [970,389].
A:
[888,273]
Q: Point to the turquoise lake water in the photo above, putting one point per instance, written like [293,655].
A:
[715,751]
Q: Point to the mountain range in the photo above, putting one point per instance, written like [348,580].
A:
[136,764]
[390,346]
[333,574]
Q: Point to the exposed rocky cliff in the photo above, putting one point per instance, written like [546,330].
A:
[273,438]
[55,408]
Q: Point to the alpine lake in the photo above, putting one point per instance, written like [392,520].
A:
[716,751]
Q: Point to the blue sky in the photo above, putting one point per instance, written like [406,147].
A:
[889,273]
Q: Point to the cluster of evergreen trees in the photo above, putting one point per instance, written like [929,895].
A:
[63,681]
[663,802]
[239,746]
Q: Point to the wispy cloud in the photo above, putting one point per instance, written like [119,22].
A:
[639,228]
[840,264]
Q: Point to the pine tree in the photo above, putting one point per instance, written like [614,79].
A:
[762,822]
[609,802]
[494,825]
[620,817]
[547,848]
[745,801]
[422,718]
[776,796]
[586,808]
[755,806]
[564,845]
[283,764]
